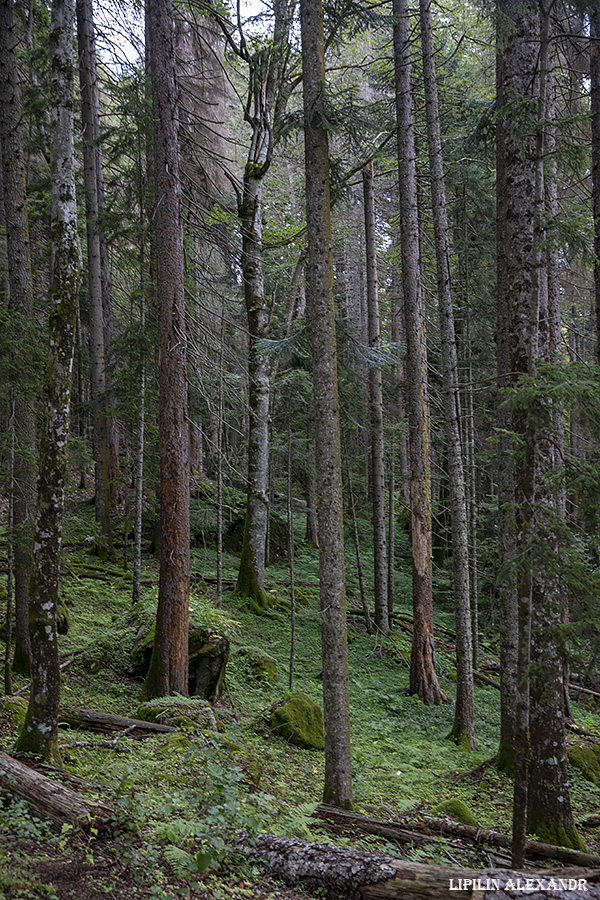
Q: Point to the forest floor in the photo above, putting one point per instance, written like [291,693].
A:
[175,794]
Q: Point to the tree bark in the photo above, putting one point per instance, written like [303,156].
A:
[463,729]
[355,874]
[88,83]
[506,579]
[375,411]
[321,315]
[20,286]
[423,677]
[49,799]
[39,732]
[168,672]
[595,109]
[266,102]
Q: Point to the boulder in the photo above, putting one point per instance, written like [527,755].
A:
[208,657]
[299,721]
[457,810]
[259,665]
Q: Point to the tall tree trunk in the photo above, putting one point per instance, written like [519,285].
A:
[595,105]
[88,82]
[423,677]
[39,733]
[20,287]
[375,412]
[168,673]
[321,315]
[506,583]
[266,102]
[463,728]
[549,812]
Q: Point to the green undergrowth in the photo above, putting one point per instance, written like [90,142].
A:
[187,794]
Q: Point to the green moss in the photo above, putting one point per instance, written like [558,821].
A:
[181,712]
[259,664]
[505,759]
[459,737]
[583,758]
[557,835]
[31,740]
[457,810]
[300,722]
[17,709]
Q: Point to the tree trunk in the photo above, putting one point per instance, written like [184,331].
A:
[88,82]
[356,874]
[321,316]
[39,732]
[506,579]
[423,677]
[375,412]
[595,108]
[168,671]
[49,799]
[549,812]
[266,103]
[463,729]
[20,287]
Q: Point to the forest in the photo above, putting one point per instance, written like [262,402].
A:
[299,449]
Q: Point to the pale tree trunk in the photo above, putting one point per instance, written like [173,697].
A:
[9,551]
[290,524]
[423,677]
[266,102]
[463,729]
[39,733]
[139,462]
[321,316]
[506,580]
[86,42]
[168,671]
[391,568]
[359,565]
[595,105]
[20,286]
[397,333]
[375,412]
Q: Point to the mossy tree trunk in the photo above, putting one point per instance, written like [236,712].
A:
[39,732]
[168,673]
[20,286]
[423,677]
[463,729]
[321,317]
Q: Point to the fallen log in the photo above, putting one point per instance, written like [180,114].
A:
[48,799]
[358,875]
[91,720]
[410,831]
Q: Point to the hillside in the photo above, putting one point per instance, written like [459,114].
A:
[196,789]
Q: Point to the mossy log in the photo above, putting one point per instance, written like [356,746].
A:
[358,875]
[49,799]
[91,720]
[405,832]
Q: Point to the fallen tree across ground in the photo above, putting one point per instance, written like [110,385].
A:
[106,723]
[415,831]
[358,875]
[48,799]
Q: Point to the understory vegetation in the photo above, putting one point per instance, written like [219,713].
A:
[183,800]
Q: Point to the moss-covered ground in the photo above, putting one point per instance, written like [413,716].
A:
[181,798]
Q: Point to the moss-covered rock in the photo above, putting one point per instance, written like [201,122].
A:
[457,810]
[208,658]
[259,665]
[299,721]
[16,708]
[187,713]
[586,759]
